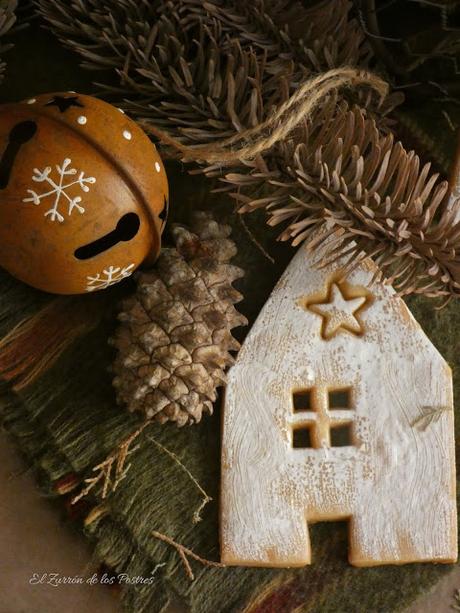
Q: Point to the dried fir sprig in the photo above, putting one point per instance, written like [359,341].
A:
[339,176]
[203,70]
[342,175]
[8,10]
[113,469]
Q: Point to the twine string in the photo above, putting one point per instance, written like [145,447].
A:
[250,143]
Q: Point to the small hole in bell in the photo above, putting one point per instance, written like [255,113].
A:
[23,132]
[19,135]
[126,230]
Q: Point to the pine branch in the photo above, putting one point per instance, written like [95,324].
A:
[7,21]
[344,176]
[203,70]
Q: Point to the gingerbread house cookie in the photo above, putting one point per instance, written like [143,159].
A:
[338,408]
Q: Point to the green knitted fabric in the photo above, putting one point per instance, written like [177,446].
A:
[67,421]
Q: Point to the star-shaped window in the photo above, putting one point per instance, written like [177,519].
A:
[64,102]
[340,309]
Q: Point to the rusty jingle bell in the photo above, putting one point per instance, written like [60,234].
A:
[83,193]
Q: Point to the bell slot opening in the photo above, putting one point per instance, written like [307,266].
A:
[21,134]
[126,230]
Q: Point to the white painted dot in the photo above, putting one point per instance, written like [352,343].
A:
[121,111]
[157,167]
[32,101]
[127,134]
[82,120]
[71,91]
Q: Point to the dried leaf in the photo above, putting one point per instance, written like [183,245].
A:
[430,415]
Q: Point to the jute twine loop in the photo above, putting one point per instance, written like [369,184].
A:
[248,144]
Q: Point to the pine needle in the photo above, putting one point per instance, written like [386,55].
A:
[255,241]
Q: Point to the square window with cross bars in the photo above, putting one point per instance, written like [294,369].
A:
[322,417]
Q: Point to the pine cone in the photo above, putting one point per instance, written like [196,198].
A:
[175,334]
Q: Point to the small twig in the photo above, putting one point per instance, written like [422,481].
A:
[197,514]
[106,472]
[186,563]
[368,19]
[449,120]
[91,483]
[448,99]
[367,30]
[254,240]
[438,86]
[184,552]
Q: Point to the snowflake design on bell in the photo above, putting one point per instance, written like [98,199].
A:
[59,189]
[108,277]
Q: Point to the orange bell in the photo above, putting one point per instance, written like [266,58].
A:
[83,193]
